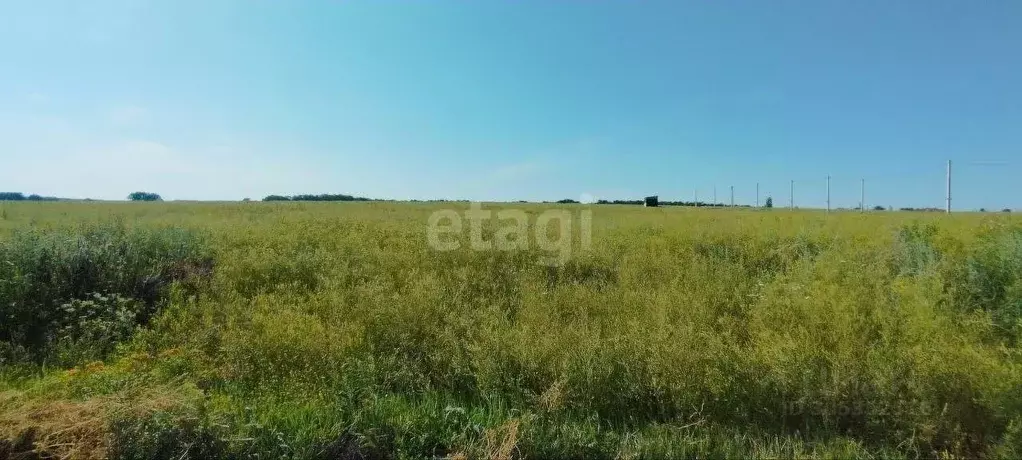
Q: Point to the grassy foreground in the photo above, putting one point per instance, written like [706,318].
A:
[333,330]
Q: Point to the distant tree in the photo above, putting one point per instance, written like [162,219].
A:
[323,197]
[144,196]
[567,201]
[982,209]
[35,197]
[769,203]
[246,200]
[878,208]
[1006,210]
[12,196]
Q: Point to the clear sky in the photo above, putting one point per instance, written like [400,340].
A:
[508,100]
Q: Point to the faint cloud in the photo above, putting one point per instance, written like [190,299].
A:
[38,98]
[141,157]
[128,115]
[195,172]
[516,171]
[56,156]
[45,124]
[536,169]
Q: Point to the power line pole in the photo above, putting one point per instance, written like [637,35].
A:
[828,194]
[862,195]
[732,196]
[948,206]
[791,196]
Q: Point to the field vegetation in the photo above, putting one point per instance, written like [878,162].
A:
[333,330]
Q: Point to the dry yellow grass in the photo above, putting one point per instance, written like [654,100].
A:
[58,427]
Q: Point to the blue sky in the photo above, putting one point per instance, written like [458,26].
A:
[508,100]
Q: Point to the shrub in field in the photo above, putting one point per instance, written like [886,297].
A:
[89,329]
[914,249]
[165,435]
[88,286]
[992,281]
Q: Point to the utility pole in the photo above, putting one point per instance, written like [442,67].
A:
[791,196]
[757,194]
[862,195]
[828,194]
[732,196]
[948,187]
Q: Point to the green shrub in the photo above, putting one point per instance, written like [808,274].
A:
[89,285]
[993,280]
[914,249]
[167,435]
[88,329]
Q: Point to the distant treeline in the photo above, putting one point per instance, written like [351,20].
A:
[944,210]
[672,203]
[323,197]
[145,196]
[440,201]
[18,196]
[329,197]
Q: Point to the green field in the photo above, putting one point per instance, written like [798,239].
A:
[333,330]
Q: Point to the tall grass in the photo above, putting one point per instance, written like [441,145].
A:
[334,331]
[70,294]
